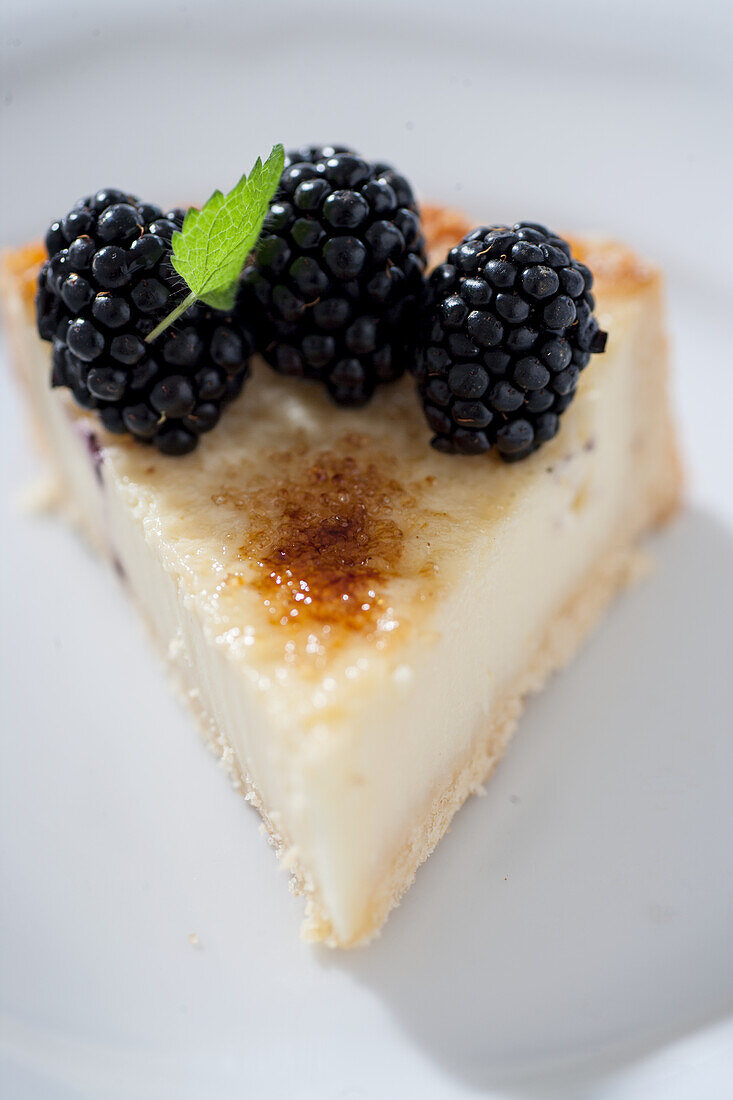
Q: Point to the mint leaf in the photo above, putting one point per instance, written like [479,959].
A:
[211,249]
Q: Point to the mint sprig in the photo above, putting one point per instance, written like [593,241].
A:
[211,249]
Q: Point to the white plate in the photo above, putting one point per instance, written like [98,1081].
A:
[571,935]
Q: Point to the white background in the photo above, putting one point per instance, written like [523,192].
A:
[572,935]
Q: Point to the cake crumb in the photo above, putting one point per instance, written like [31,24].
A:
[193,939]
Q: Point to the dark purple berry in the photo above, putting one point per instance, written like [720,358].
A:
[338,273]
[518,354]
[107,283]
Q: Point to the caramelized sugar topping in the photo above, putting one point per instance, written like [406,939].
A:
[616,267]
[443,228]
[23,265]
[321,534]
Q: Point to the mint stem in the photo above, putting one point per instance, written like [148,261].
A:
[172,316]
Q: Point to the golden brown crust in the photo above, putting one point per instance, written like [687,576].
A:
[617,269]
[322,534]
[20,267]
[443,228]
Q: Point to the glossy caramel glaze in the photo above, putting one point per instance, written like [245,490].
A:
[321,534]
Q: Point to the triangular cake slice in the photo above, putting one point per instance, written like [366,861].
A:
[355,618]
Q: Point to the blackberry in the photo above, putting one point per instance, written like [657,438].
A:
[107,282]
[507,326]
[338,272]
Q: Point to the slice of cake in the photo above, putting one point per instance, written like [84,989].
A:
[356,618]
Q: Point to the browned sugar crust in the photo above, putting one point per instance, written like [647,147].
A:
[321,532]
[616,268]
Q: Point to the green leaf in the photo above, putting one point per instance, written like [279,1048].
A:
[210,251]
[214,243]
[222,299]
